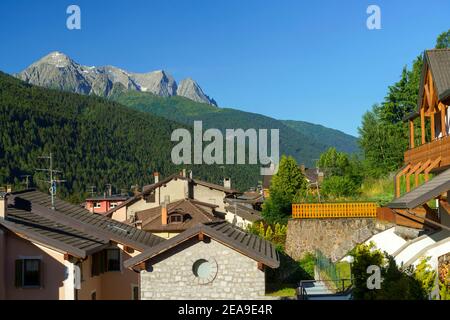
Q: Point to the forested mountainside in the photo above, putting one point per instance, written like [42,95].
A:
[298,141]
[94,142]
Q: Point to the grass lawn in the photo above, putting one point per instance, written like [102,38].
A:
[283,292]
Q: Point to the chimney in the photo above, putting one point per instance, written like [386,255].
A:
[184,173]
[320,177]
[156,176]
[227,183]
[3,204]
[164,210]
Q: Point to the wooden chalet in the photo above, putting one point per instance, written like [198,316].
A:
[429,144]
[429,152]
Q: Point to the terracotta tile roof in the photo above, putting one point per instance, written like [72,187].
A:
[248,244]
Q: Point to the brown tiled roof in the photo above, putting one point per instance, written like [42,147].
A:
[214,186]
[438,60]
[149,188]
[31,214]
[194,212]
[248,244]
[48,232]
[109,198]
[244,212]
[146,190]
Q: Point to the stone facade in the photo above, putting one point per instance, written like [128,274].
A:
[170,275]
[333,237]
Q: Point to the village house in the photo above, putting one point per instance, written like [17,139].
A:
[103,204]
[172,218]
[425,207]
[67,253]
[244,209]
[214,260]
[181,187]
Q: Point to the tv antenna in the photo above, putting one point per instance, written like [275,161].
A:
[52,181]
[109,188]
[27,180]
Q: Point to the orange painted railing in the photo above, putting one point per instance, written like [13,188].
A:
[334,210]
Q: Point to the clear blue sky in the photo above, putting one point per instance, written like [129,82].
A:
[303,60]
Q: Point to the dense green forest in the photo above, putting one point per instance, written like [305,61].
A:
[304,141]
[332,137]
[94,142]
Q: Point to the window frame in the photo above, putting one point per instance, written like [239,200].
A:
[119,259]
[133,295]
[20,283]
[175,215]
[112,205]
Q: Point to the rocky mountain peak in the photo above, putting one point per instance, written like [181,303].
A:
[57,70]
[56,58]
[190,89]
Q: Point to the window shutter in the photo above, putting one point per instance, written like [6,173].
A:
[95,265]
[19,273]
[104,264]
[41,273]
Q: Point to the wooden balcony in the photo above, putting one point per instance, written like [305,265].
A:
[334,210]
[430,151]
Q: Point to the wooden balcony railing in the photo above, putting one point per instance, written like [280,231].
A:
[430,151]
[334,210]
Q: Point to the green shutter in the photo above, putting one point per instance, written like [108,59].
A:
[19,273]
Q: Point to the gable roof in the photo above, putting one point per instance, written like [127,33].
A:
[438,61]
[149,188]
[243,211]
[151,218]
[29,214]
[424,193]
[248,244]
[146,190]
[214,186]
[48,232]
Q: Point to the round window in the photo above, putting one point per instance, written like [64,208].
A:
[202,269]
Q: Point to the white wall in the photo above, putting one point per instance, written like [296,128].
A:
[387,241]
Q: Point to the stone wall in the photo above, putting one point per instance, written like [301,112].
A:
[171,276]
[333,237]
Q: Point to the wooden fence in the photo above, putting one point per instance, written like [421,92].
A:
[334,210]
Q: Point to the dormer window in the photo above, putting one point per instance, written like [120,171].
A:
[175,218]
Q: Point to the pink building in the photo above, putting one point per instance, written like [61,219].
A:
[67,253]
[104,204]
